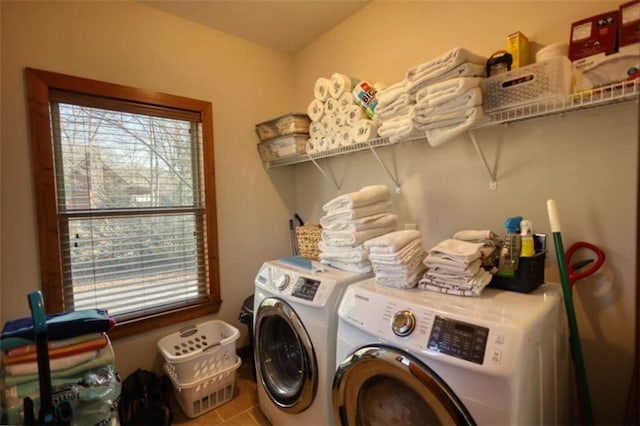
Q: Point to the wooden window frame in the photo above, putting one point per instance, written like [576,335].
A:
[40,83]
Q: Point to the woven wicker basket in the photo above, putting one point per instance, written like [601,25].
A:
[308,237]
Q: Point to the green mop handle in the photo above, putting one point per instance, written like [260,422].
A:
[576,349]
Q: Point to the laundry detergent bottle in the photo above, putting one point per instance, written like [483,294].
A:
[510,252]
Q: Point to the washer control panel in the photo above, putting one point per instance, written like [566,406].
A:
[459,339]
[435,327]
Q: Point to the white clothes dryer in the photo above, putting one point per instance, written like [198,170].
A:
[295,325]
[420,357]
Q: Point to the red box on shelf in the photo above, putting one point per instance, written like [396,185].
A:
[595,35]
[629,23]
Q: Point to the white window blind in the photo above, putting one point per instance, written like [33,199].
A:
[130,207]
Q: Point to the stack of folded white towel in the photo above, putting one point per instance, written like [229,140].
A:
[490,249]
[457,62]
[350,220]
[455,267]
[446,109]
[336,118]
[440,98]
[394,113]
[396,258]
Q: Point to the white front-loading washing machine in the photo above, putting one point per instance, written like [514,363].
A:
[419,357]
[295,326]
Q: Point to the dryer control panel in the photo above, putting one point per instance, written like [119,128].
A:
[303,287]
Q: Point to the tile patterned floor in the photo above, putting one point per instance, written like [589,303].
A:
[242,410]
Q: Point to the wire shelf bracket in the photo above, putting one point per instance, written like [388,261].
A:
[493,185]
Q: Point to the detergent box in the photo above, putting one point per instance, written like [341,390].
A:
[629,33]
[604,50]
[518,47]
[595,35]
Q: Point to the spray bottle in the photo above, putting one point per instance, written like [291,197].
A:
[510,253]
[526,236]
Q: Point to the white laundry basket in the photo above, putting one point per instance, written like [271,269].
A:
[204,395]
[199,351]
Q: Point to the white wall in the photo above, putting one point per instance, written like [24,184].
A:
[135,45]
[586,160]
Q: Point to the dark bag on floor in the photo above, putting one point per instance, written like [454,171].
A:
[145,400]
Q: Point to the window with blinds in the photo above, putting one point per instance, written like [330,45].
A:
[135,229]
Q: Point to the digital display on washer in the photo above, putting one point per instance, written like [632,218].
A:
[459,339]
[306,288]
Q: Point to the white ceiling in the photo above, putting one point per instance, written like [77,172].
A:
[287,26]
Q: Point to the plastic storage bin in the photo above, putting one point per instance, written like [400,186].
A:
[199,351]
[283,125]
[282,147]
[530,84]
[204,395]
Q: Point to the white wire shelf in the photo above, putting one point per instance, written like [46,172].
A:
[607,95]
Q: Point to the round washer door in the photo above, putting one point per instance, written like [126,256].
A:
[381,385]
[286,362]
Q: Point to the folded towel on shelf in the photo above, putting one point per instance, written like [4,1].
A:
[473,291]
[455,250]
[352,238]
[446,61]
[341,216]
[463,70]
[358,267]
[399,270]
[368,222]
[462,287]
[391,93]
[343,253]
[439,135]
[446,118]
[399,128]
[476,235]
[446,89]
[393,241]
[490,243]
[405,255]
[409,281]
[468,99]
[440,265]
[365,196]
[399,109]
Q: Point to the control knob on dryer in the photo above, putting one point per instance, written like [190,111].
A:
[403,323]
[282,281]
